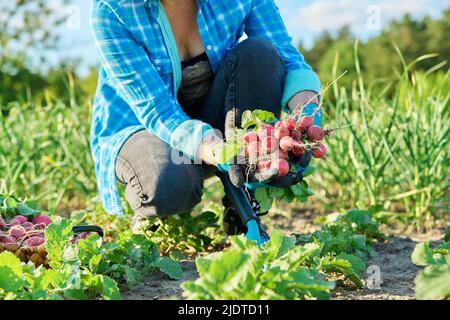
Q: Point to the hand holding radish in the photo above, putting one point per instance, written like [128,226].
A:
[277,153]
[292,143]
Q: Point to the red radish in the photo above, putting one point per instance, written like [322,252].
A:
[83,235]
[252,152]
[17,232]
[251,136]
[42,219]
[319,151]
[269,144]
[252,149]
[263,165]
[287,143]
[265,131]
[21,218]
[39,234]
[281,165]
[282,154]
[79,237]
[298,150]
[281,132]
[14,222]
[315,133]
[2,223]
[7,240]
[28,225]
[289,124]
[296,134]
[305,122]
[34,241]
[278,124]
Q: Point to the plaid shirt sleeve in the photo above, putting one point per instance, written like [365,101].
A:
[137,82]
[264,20]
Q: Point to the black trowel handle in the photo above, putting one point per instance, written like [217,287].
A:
[238,199]
[88,228]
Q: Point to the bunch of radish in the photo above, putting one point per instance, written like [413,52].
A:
[80,236]
[24,232]
[276,146]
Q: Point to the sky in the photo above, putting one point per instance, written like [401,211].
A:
[304,19]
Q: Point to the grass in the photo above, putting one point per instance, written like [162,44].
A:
[395,156]
[44,152]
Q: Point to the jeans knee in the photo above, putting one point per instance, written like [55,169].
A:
[259,52]
[176,189]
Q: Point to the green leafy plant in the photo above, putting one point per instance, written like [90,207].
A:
[87,269]
[185,233]
[95,214]
[352,232]
[11,206]
[345,243]
[26,282]
[255,118]
[247,272]
[295,267]
[433,282]
[300,192]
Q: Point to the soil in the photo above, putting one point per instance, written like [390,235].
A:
[158,286]
[392,268]
[396,273]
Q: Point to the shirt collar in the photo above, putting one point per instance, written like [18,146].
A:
[153,4]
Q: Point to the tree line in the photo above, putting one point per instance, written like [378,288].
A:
[380,57]
[330,54]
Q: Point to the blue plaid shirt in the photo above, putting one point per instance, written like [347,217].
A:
[140,73]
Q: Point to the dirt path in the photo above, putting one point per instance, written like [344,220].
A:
[158,286]
[390,274]
[395,268]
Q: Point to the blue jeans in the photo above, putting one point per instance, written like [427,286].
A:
[250,77]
